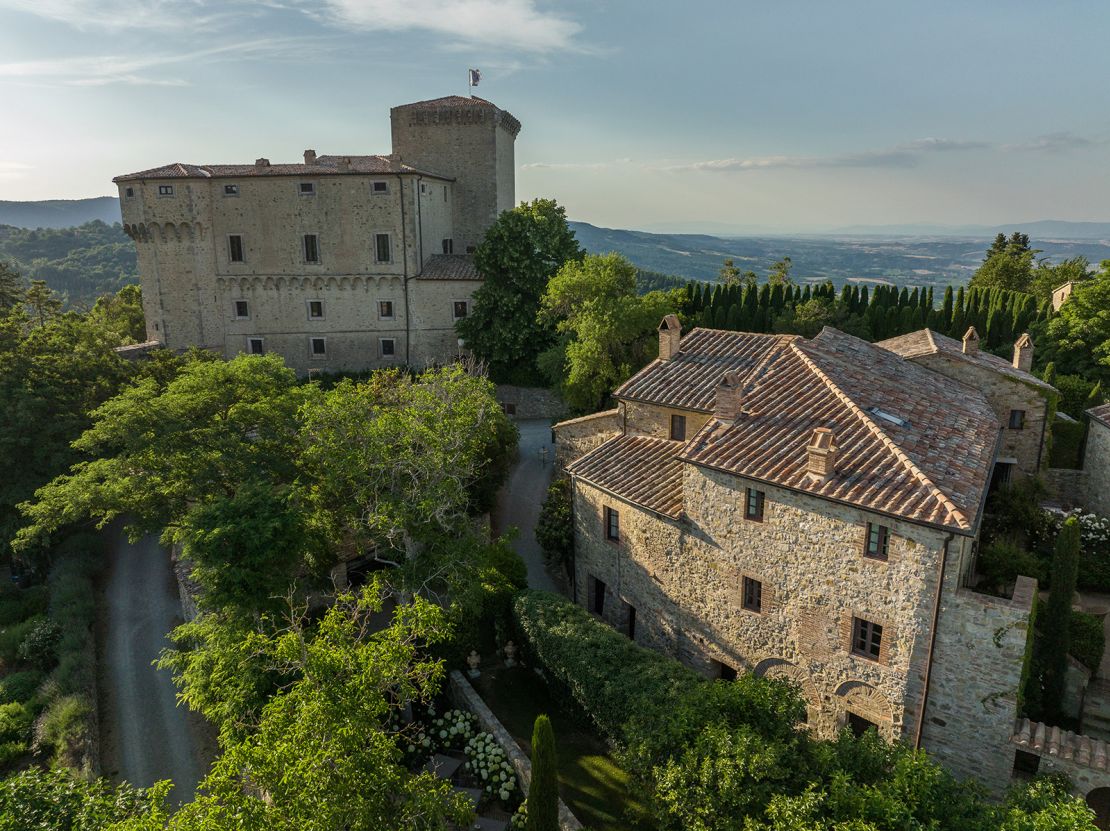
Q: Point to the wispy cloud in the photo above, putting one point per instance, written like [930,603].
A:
[168,15]
[574,165]
[13,170]
[1056,143]
[140,70]
[907,154]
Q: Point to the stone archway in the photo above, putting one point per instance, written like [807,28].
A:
[784,669]
[859,702]
[1098,801]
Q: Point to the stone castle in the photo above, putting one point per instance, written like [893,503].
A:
[810,509]
[338,263]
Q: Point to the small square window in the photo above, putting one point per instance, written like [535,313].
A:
[725,672]
[315,309]
[165,190]
[448,246]
[1017,419]
[231,190]
[383,248]
[678,428]
[612,525]
[878,542]
[753,505]
[867,639]
[389,347]
[254,346]
[307,189]
[129,192]
[460,308]
[385,309]
[318,347]
[311,248]
[235,248]
[379,187]
[423,187]
[753,595]
[242,310]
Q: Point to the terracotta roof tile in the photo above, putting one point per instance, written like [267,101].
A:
[325,166]
[1101,414]
[689,380]
[449,267]
[930,464]
[641,469]
[928,342]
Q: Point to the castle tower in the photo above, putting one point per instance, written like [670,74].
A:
[470,140]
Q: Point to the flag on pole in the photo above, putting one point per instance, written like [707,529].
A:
[475,77]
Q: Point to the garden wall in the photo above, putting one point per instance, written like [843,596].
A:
[1066,487]
[467,698]
[530,402]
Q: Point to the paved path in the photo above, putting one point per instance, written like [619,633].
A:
[145,735]
[520,500]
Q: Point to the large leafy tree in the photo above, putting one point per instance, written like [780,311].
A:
[1008,264]
[521,251]
[610,330]
[1078,336]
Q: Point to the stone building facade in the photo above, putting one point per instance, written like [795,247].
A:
[1021,401]
[338,263]
[1096,460]
[806,509]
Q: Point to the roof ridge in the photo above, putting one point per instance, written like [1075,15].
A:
[880,434]
[929,336]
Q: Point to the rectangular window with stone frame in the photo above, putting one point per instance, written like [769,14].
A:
[1017,419]
[678,427]
[753,505]
[877,544]
[385,309]
[383,248]
[752,599]
[311,248]
[235,248]
[596,594]
[612,525]
[867,639]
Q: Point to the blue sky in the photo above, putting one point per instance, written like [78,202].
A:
[789,115]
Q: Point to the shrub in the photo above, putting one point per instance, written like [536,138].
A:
[40,646]
[15,722]
[63,726]
[555,526]
[543,795]
[11,751]
[1067,441]
[1087,639]
[1094,545]
[1001,562]
[19,604]
[12,636]
[20,686]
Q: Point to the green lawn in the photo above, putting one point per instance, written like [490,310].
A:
[592,785]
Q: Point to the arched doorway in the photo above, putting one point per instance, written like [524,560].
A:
[1098,801]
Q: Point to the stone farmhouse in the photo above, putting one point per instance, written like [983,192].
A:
[342,262]
[809,509]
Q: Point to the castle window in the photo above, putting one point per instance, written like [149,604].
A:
[448,246]
[423,187]
[753,505]
[628,615]
[596,589]
[242,310]
[724,671]
[231,190]
[318,347]
[307,189]
[165,190]
[678,428]
[867,639]
[315,309]
[1017,419]
[859,725]
[235,248]
[752,595]
[612,525]
[878,541]
[385,309]
[254,346]
[379,187]
[388,347]
[445,193]
[311,248]
[383,248]
[459,309]
[129,192]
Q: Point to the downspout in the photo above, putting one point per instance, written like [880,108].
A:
[404,261]
[932,641]
[1044,427]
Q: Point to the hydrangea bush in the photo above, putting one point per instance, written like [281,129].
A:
[1094,542]
[487,762]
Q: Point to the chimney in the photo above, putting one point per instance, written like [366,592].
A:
[261,162]
[822,450]
[670,335]
[345,163]
[1023,353]
[310,157]
[971,341]
[730,399]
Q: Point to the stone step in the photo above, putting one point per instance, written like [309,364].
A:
[487,824]
[445,767]
[473,794]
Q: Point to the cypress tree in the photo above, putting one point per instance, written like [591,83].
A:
[945,322]
[1056,639]
[732,320]
[864,299]
[543,794]
[904,297]
[1049,376]
[720,316]
[806,294]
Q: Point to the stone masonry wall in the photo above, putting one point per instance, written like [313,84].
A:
[685,580]
[578,436]
[1065,486]
[1096,464]
[651,420]
[531,402]
[1004,394]
[977,664]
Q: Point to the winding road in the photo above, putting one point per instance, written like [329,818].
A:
[145,736]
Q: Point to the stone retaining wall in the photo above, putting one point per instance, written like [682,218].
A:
[578,436]
[1066,487]
[467,697]
[530,402]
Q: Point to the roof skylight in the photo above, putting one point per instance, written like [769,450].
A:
[898,421]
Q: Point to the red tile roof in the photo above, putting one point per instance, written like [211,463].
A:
[449,267]
[641,469]
[325,166]
[689,380]
[1101,414]
[928,342]
[449,101]
[912,443]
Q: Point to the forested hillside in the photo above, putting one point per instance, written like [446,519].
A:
[59,213]
[79,263]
